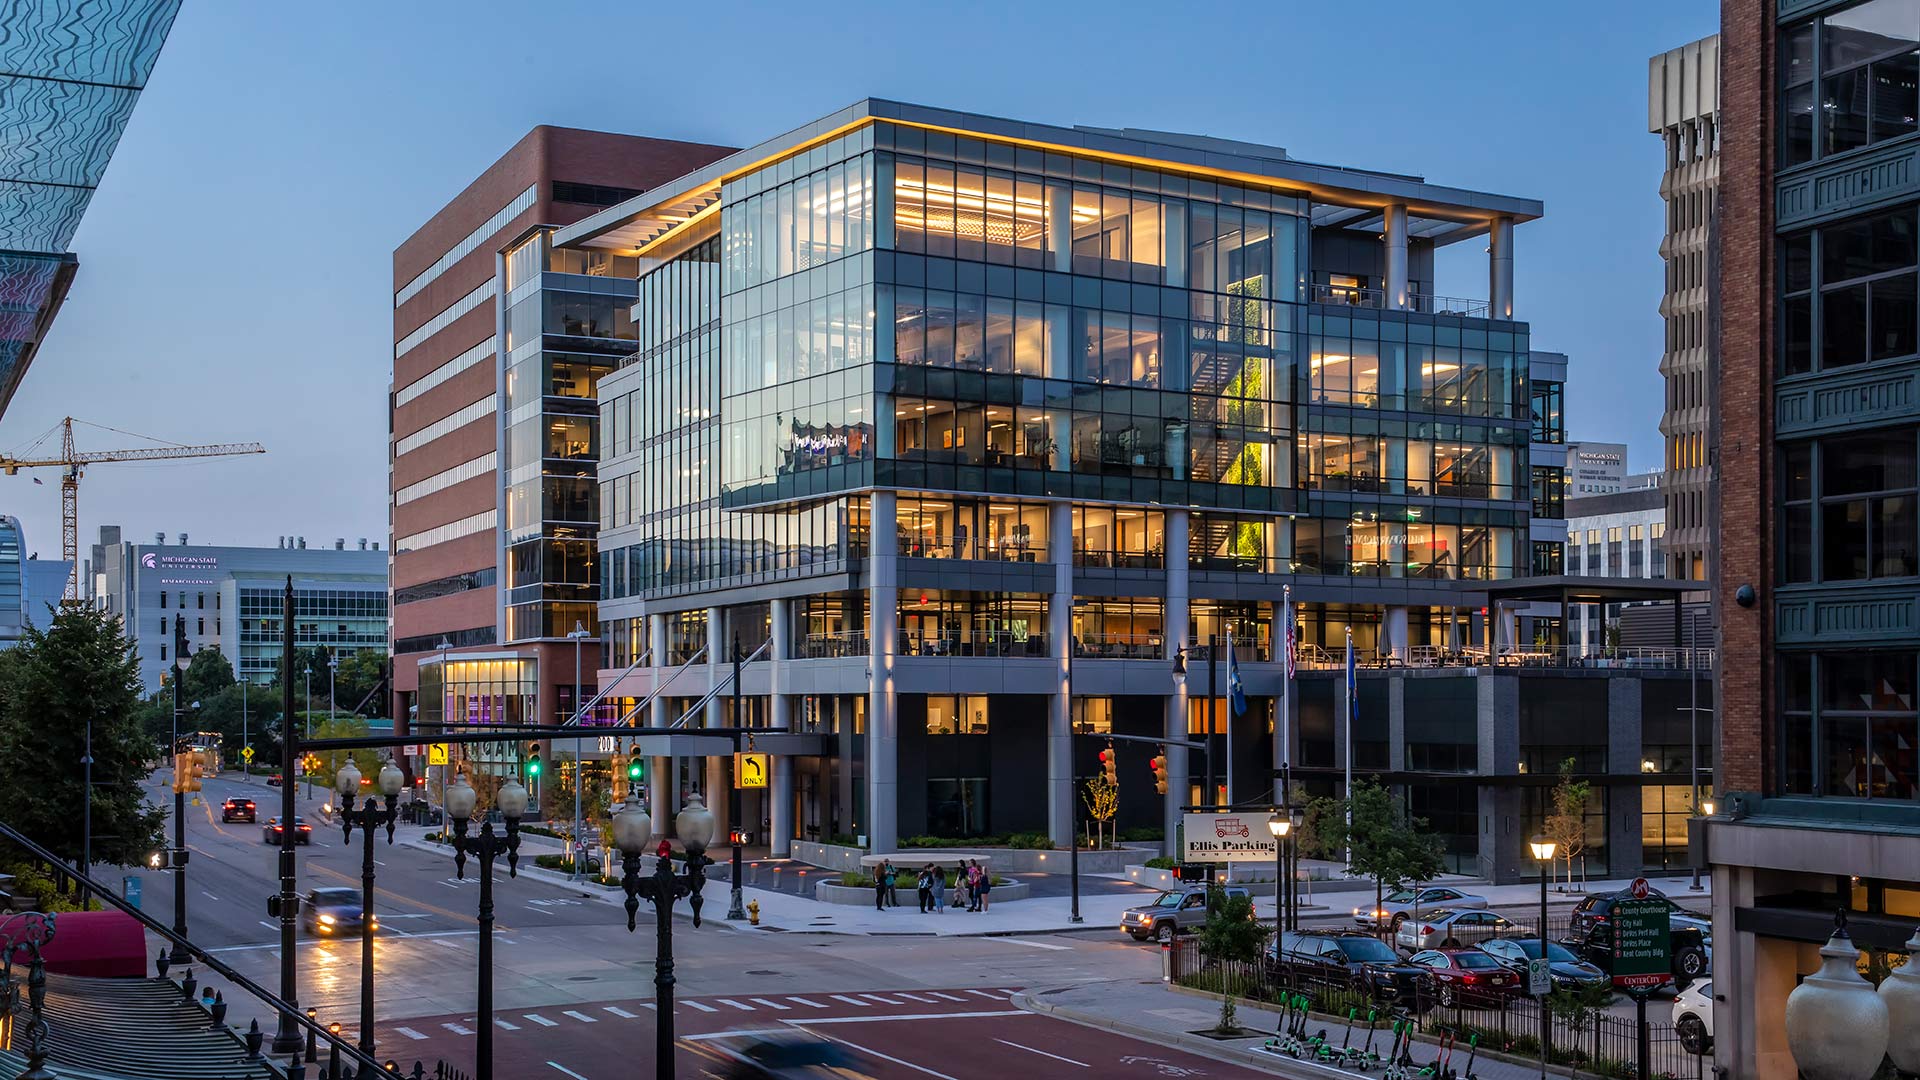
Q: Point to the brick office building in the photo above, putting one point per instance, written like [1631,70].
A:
[494,426]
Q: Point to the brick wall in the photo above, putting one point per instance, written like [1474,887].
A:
[1744,287]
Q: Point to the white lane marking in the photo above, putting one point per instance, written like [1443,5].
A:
[410,1033]
[908,1016]
[580,1016]
[948,997]
[504,1026]
[881,1000]
[564,1069]
[886,1057]
[541,1020]
[209,895]
[650,1005]
[914,997]
[985,994]
[1034,944]
[458,1029]
[769,1004]
[274,926]
[619,1012]
[737,1033]
[851,1001]
[697,1005]
[1043,1053]
[804,1001]
[735,1004]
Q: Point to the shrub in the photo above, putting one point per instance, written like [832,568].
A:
[842,840]
[1143,833]
[853,879]
[1162,862]
[1030,841]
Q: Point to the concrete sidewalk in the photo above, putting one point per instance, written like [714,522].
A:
[1170,1017]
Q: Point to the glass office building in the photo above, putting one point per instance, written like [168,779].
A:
[977,424]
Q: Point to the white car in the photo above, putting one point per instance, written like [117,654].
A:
[1396,907]
[1693,1017]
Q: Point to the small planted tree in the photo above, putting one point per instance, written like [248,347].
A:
[1579,1008]
[1103,802]
[1385,843]
[1231,936]
[1566,823]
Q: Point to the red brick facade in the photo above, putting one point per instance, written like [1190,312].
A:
[1744,455]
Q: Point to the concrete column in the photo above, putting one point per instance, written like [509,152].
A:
[661,771]
[883,715]
[1394,629]
[1059,227]
[1503,856]
[1061,359]
[1060,793]
[1624,725]
[780,789]
[714,787]
[1508,626]
[1176,639]
[1396,238]
[1500,268]
[1396,722]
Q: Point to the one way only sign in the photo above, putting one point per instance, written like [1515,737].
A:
[1227,838]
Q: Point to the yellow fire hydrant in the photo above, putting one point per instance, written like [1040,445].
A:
[753,912]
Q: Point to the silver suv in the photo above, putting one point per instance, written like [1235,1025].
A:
[1176,911]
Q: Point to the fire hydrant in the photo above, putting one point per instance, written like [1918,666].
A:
[753,912]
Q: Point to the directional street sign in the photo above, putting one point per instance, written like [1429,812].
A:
[1642,944]
[750,770]
[437,753]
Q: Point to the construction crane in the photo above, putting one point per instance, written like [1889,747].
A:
[75,463]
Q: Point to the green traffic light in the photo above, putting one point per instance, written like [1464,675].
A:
[635,771]
[533,765]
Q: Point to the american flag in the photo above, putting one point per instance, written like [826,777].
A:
[1286,610]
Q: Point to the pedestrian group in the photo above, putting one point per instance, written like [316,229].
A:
[972,887]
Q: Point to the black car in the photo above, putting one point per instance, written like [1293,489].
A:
[1692,953]
[1349,958]
[779,1058]
[302,832]
[237,810]
[1567,971]
[333,912]
[1598,909]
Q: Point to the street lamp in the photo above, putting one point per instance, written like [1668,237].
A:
[369,817]
[1544,850]
[178,857]
[632,827]
[1280,825]
[1705,809]
[460,801]
[308,717]
[578,634]
[1837,1026]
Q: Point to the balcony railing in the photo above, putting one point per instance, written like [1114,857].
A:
[1513,656]
[836,645]
[954,643]
[1119,646]
[1424,303]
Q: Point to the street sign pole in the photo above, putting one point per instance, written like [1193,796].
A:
[1645,1043]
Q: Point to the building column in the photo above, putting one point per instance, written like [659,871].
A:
[780,788]
[714,787]
[1176,718]
[661,771]
[1500,268]
[1502,853]
[1060,365]
[1394,630]
[1060,793]
[1508,624]
[1398,298]
[1625,722]
[883,714]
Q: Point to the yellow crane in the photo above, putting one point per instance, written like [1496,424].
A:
[75,462]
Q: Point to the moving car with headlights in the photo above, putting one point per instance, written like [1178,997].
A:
[1175,911]
[1447,929]
[1693,1018]
[333,913]
[1396,907]
[1567,971]
[1468,976]
[791,1056]
[237,810]
[1347,956]
[303,832]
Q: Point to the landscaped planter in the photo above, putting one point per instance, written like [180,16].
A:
[829,892]
[831,856]
[1004,859]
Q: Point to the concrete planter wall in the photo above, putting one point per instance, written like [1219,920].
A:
[1004,860]
[831,856]
[828,892]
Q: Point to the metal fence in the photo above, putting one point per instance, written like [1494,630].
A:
[1601,1044]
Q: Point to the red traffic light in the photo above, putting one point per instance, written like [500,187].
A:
[1106,757]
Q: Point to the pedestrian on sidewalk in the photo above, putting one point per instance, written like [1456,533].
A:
[939,888]
[986,890]
[974,878]
[924,887]
[880,887]
[893,878]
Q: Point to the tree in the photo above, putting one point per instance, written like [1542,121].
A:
[1231,935]
[1385,843]
[1323,829]
[1579,1008]
[208,673]
[1103,802]
[80,671]
[1566,823]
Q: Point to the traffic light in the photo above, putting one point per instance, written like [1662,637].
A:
[636,770]
[1109,766]
[1159,764]
[533,761]
[186,773]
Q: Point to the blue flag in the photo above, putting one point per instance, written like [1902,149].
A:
[1236,690]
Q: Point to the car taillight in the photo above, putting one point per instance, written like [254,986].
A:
[1428,930]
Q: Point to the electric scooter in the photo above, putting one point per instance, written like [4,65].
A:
[1399,1061]
[1328,1054]
[1473,1051]
[1437,1068]
[1366,1058]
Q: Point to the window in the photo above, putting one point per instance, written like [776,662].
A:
[1867,524]
[163,598]
[1860,292]
[1796,514]
[1857,737]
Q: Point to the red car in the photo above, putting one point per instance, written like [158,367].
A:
[1467,974]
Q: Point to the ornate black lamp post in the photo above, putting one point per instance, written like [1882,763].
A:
[512,801]
[369,817]
[632,827]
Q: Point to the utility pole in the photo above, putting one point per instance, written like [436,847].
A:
[286,1040]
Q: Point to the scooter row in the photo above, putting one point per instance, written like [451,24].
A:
[1293,1040]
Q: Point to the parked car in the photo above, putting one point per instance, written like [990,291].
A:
[1175,911]
[1396,906]
[333,913]
[1692,952]
[237,810]
[1447,929]
[1347,956]
[303,832]
[1599,908]
[1567,971]
[1467,975]
[1693,1017]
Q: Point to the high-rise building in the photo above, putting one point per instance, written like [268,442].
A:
[1683,108]
[495,425]
[978,426]
[1595,468]
[1817,591]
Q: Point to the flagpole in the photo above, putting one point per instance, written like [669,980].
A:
[1283,734]
[1351,690]
[1233,692]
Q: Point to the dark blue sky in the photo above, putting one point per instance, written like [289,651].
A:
[235,274]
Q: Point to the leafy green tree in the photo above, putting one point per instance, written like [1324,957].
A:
[1387,844]
[79,672]
[1231,935]
[208,673]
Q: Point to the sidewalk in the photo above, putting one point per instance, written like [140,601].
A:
[1159,1014]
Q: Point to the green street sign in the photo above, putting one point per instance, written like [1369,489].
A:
[1642,944]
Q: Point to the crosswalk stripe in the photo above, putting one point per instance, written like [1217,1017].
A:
[914,997]
[410,1033]
[808,1004]
[504,1026]
[580,1016]
[541,1020]
[735,1004]
[702,1008]
[948,997]
[850,1001]
[619,1012]
[881,1000]
[984,994]
[769,1004]
[457,1029]
[651,1005]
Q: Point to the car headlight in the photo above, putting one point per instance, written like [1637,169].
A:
[326,920]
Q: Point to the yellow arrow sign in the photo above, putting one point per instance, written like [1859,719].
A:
[750,770]
[437,753]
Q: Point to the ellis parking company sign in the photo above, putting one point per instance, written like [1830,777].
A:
[1218,838]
